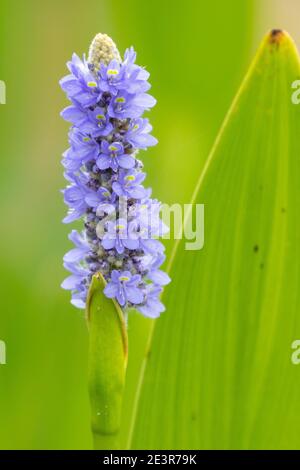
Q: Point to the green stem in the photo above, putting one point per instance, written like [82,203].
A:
[107,364]
[106,441]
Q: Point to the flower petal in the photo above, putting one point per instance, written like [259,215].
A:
[159,277]
[134,295]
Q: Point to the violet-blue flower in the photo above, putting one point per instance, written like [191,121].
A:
[83,149]
[129,184]
[120,235]
[138,134]
[82,248]
[77,283]
[111,77]
[126,105]
[121,221]
[74,196]
[124,287]
[101,199]
[113,156]
[153,307]
[80,86]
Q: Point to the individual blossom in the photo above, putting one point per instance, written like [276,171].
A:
[77,283]
[82,248]
[101,200]
[74,196]
[129,184]
[105,177]
[126,105]
[126,76]
[80,86]
[83,149]
[111,77]
[113,156]
[120,235]
[159,277]
[138,134]
[152,307]
[124,287]
[93,122]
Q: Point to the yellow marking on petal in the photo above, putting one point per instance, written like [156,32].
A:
[135,127]
[92,84]
[120,227]
[123,278]
[112,148]
[130,178]
[86,139]
[100,116]
[120,99]
[112,72]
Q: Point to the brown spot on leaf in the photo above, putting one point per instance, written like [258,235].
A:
[276,36]
[148,354]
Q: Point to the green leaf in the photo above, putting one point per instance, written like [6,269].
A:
[219,373]
[204,98]
[107,364]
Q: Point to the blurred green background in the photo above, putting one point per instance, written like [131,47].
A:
[197,54]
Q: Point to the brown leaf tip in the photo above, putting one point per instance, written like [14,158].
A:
[276,35]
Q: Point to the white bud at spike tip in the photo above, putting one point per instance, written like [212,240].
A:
[102,50]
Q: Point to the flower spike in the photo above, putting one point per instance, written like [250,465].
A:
[108,98]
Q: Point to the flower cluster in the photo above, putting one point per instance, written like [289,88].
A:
[121,220]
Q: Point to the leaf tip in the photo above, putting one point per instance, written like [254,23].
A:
[98,284]
[276,36]
[279,37]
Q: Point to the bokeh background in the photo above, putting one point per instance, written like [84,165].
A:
[197,54]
